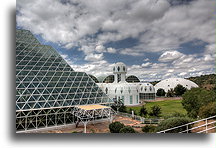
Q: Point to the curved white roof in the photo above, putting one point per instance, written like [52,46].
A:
[173,82]
[146,88]
[119,68]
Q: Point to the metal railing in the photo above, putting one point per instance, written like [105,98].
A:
[141,119]
[192,128]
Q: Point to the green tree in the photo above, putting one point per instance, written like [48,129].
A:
[180,90]
[173,122]
[155,111]
[115,127]
[207,110]
[123,109]
[195,98]
[160,92]
[170,93]
[143,111]
[127,129]
[148,129]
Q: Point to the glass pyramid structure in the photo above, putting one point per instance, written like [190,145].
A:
[47,88]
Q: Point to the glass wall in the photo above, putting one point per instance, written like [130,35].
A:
[44,81]
[147,96]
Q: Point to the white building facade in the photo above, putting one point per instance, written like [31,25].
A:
[129,93]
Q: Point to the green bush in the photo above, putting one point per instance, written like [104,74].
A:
[173,122]
[143,111]
[127,129]
[160,92]
[175,114]
[195,98]
[123,109]
[179,90]
[148,129]
[115,127]
[155,111]
[207,110]
[170,93]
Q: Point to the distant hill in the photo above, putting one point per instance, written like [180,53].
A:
[204,81]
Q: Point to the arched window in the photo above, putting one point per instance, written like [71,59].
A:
[106,90]
[118,68]
[121,90]
[129,89]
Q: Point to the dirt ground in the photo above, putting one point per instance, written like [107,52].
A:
[203,128]
[103,127]
[97,127]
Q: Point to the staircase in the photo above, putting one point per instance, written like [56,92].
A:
[206,125]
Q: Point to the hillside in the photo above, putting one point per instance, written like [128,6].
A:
[204,81]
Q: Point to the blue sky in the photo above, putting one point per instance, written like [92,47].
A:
[156,39]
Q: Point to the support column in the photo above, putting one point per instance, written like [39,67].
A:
[111,119]
[85,124]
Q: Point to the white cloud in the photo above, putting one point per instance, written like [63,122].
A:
[208,57]
[182,74]
[169,56]
[146,64]
[146,59]
[111,50]
[94,57]
[132,52]
[157,27]
[171,70]
[100,48]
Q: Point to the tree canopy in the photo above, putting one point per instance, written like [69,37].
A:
[127,129]
[179,90]
[115,127]
[160,92]
[195,98]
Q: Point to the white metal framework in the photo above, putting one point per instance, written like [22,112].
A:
[86,113]
[203,126]
[47,87]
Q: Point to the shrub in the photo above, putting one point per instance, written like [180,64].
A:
[207,110]
[155,111]
[180,90]
[143,111]
[173,122]
[175,114]
[148,129]
[123,109]
[127,129]
[115,127]
[160,92]
[170,93]
[195,98]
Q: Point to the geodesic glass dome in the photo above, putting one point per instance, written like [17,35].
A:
[47,88]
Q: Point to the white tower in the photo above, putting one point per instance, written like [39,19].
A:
[119,71]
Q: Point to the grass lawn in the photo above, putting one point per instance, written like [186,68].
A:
[168,107]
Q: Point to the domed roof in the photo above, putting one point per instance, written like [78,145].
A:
[146,88]
[119,68]
[173,82]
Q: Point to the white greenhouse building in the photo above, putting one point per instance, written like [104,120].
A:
[171,83]
[129,89]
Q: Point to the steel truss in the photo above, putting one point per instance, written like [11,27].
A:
[87,115]
[47,88]
[35,119]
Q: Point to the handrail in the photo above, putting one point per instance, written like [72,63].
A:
[205,119]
